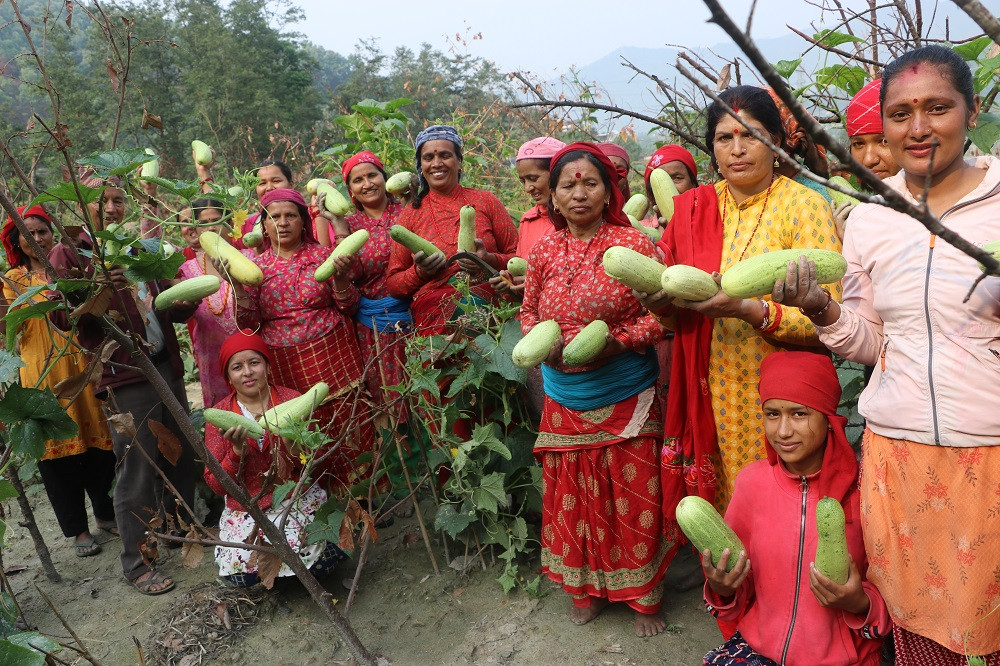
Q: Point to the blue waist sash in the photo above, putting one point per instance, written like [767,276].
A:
[625,375]
[387,312]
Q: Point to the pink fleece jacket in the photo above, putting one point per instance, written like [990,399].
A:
[774,514]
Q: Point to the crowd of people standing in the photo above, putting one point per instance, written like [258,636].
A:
[749,417]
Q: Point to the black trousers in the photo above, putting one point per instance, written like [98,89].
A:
[69,478]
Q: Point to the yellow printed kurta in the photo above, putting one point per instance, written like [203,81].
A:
[795,216]
[40,345]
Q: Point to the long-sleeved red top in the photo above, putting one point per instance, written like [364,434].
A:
[566,282]
[437,221]
[290,306]
[773,512]
[257,456]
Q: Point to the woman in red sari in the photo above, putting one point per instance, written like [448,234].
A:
[307,324]
[434,215]
[603,537]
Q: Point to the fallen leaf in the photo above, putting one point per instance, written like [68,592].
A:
[113,73]
[352,514]
[123,424]
[166,441]
[96,305]
[411,538]
[268,566]
[148,550]
[222,612]
[151,120]
[459,592]
[192,553]
[107,348]
[15,568]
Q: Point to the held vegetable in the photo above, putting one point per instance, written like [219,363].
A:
[294,411]
[688,283]
[703,525]
[633,269]
[112,248]
[202,153]
[335,202]
[240,268]
[653,233]
[832,559]
[411,241]
[839,197]
[190,290]
[150,169]
[313,185]
[587,344]
[467,229]
[534,347]
[517,267]
[400,183]
[637,206]
[349,245]
[255,236]
[756,276]
[224,420]
[664,192]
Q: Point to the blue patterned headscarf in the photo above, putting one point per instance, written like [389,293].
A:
[434,133]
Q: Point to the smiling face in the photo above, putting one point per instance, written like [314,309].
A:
[270,178]
[247,372]
[283,224]
[440,165]
[797,433]
[744,161]
[367,185]
[209,217]
[872,150]
[42,234]
[534,177]
[113,203]
[580,195]
[923,106]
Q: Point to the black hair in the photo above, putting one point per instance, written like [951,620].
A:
[282,167]
[206,203]
[955,69]
[424,187]
[544,162]
[20,258]
[757,104]
[384,178]
[573,156]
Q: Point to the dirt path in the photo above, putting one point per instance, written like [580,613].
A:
[403,611]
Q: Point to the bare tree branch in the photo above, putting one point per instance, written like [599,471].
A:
[982,16]
[833,49]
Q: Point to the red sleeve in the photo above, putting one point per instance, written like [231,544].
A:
[504,231]
[401,279]
[739,515]
[644,331]
[533,287]
[222,450]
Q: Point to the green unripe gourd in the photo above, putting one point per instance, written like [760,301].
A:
[756,275]
[224,420]
[534,347]
[411,241]
[633,269]
[637,206]
[188,291]
[832,559]
[703,525]
[202,153]
[587,344]
[467,229]
[294,411]
[664,192]
[688,283]
[517,267]
[349,245]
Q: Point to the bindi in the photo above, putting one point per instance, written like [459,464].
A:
[578,175]
[916,101]
[736,130]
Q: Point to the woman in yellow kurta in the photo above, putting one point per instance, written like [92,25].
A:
[713,424]
[83,463]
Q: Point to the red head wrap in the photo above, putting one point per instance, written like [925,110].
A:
[242,340]
[864,113]
[811,380]
[360,158]
[14,254]
[614,150]
[671,152]
[614,214]
[287,194]
[795,136]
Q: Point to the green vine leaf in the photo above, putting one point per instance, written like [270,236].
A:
[832,38]
[120,162]
[787,67]
[9,366]
[987,132]
[452,521]
[971,50]
[66,193]
[14,318]
[36,416]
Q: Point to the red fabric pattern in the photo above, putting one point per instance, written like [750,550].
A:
[864,112]
[671,152]
[437,221]
[257,458]
[915,650]
[566,282]
[291,307]
[693,237]
[373,257]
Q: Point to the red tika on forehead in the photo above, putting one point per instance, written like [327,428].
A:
[578,175]
[736,109]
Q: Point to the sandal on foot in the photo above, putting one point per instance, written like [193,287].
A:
[87,548]
[108,526]
[155,578]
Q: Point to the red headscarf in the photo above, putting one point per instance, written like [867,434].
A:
[287,194]
[671,152]
[795,136]
[14,254]
[614,150]
[811,380]
[243,340]
[864,113]
[614,214]
[363,157]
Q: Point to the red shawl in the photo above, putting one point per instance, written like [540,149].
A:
[693,237]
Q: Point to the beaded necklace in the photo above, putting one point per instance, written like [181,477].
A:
[763,209]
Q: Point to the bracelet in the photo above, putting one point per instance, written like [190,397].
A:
[821,311]
[209,179]
[340,292]
[767,315]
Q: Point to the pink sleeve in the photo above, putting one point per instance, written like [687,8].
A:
[877,623]
[504,231]
[532,288]
[401,279]
[857,333]
[729,610]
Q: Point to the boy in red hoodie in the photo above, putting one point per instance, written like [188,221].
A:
[786,611]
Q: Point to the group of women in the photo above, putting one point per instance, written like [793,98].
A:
[616,456]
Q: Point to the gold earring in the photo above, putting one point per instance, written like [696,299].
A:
[972,125]
[777,162]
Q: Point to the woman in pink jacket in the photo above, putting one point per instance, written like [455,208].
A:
[931,453]
[786,611]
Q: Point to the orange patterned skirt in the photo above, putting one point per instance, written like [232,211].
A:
[603,533]
[931,520]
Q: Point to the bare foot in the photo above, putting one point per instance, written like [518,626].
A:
[649,625]
[581,616]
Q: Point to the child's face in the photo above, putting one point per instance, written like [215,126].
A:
[797,433]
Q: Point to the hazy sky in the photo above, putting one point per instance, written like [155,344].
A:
[544,36]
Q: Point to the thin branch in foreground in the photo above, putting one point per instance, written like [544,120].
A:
[983,17]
